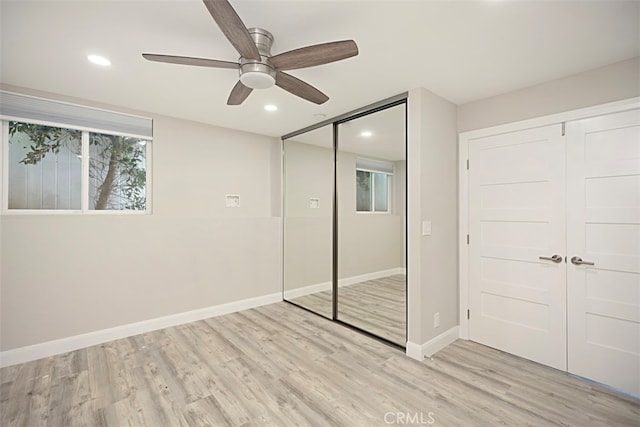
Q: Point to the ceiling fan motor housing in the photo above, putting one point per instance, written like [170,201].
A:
[259,74]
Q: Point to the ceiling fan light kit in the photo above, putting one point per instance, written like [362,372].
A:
[258,68]
[259,74]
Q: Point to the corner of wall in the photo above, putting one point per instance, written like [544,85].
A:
[433,195]
[434,345]
[414,197]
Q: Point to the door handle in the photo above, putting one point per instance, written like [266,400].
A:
[555,258]
[576,260]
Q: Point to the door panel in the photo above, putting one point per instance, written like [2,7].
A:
[603,184]
[371,203]
[516,199]
[308,220]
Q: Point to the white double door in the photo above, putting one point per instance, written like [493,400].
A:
[554,253]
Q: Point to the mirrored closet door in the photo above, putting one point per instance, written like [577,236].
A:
[344,187]
[308,190]
[371,194]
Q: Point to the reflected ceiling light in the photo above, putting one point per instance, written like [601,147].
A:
[99,60]
[271,107]
[366,133]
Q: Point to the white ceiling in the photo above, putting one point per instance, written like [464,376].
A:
[461,50]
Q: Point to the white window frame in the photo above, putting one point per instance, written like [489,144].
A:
[84,182]
[373,190]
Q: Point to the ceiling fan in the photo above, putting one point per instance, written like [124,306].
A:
[258,69]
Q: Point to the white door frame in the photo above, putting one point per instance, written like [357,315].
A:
[466,138]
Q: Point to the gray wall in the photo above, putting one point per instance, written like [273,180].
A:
[606,84]
[64,275]
[433,171]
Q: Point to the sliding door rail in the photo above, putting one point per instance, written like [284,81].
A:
[351,114]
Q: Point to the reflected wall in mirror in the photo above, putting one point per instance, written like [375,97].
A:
[308,220]
[371,191]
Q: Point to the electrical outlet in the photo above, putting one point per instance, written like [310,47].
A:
[436,320]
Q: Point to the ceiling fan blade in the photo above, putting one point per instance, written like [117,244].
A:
[187,60]
[299,88]
[314,55]
[238,94]
[233,28]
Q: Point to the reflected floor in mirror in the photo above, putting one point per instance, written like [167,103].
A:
[376,306]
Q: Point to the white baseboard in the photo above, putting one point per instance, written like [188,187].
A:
[414,350]
[64,345]
[307,290]
[347,281]
[420,351]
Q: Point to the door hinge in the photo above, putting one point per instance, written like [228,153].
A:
[564,128]
[468,314]
[467,164]
[467,239]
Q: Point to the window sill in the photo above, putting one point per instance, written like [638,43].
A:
[19,212]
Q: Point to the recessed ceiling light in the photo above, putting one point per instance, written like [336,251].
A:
[366,133]
[99,60]
[271,107]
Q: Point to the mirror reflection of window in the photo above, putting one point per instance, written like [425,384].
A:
[373,189]
[380,192]
[363,191]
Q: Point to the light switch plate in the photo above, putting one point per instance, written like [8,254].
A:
[233,201]
[314,203]
[426,228]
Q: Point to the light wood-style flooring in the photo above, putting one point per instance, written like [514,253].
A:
[279,365]
[376,306]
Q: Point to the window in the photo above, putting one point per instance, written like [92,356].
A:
[45,169]
[68,167]
[373,189]
[117,172]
